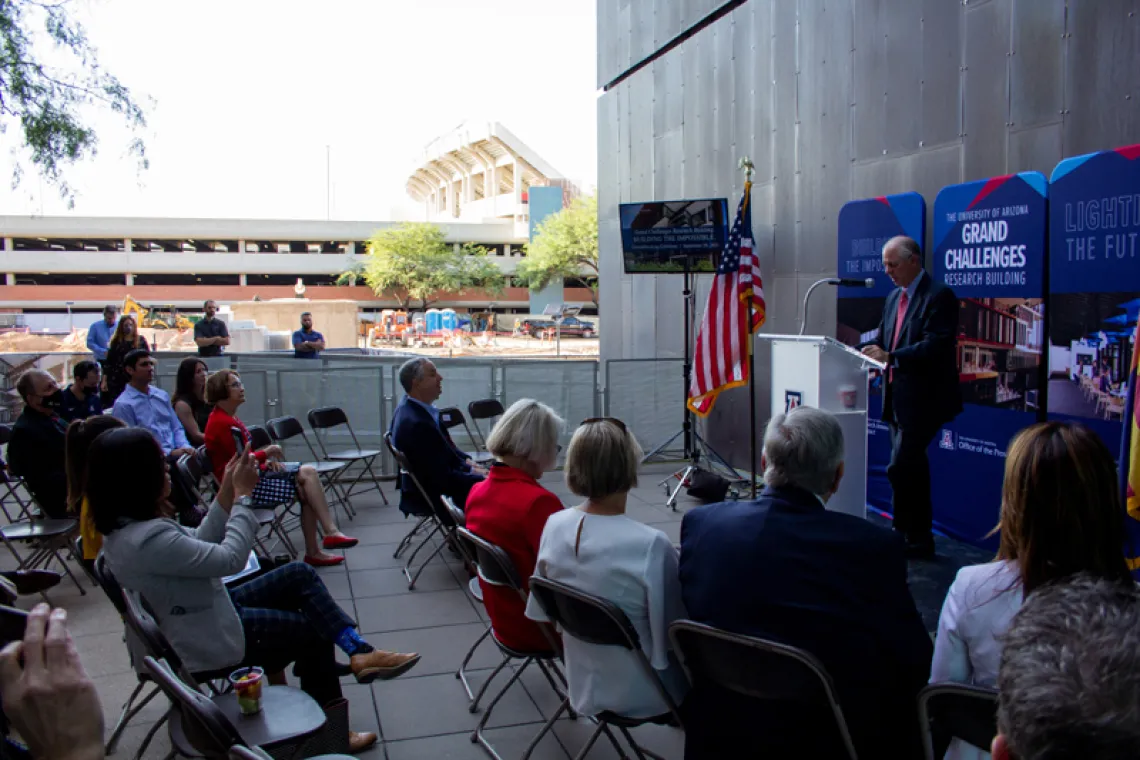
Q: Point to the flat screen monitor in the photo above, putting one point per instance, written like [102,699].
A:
[661,236]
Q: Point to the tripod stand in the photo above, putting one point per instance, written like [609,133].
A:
[694,446]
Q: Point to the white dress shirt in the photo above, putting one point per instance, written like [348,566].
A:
[634,566]
[978,609]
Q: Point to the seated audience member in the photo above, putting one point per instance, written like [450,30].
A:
[440,467]
[596,548]
[286,615]
[1069,679]
[80,435]
[786,569]
[125,340]
[35,452]
[279,481]
[48,697]
[81,398]
[142,404]
[190,399]
[1060,515]
[510,509]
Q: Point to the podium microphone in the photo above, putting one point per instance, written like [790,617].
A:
[844,281]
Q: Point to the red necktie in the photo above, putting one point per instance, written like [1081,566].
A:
[904,301]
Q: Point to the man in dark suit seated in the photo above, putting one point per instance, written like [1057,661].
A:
[918,341]
[436,462]
[36,450]
[786,569]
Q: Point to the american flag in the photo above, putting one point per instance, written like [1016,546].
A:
[721,361]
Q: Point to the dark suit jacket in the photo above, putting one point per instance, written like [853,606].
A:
[784,568]
[440,467]
[925,391]
[36,453]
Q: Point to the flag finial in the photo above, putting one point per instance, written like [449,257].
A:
[746,166]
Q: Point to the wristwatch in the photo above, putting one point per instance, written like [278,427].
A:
[244,501]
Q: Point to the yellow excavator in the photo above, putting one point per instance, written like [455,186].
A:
[165,317]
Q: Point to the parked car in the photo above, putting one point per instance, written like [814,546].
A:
[572,327]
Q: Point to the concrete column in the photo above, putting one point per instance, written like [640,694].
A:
[488,187]
[241,246]
[455,247]
[241,280]
[351,251]
[518,183]
[8,244]
[130,280]
[9,279]
[127,245]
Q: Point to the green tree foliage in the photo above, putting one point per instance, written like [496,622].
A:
[49,105]
[414,262]
[565,245]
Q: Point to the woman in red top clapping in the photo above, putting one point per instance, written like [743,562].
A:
[279,482]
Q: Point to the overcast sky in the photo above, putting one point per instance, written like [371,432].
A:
[249,92]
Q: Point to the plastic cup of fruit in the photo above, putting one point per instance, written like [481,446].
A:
[247,686]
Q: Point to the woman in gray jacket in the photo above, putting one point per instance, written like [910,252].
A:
[286,615]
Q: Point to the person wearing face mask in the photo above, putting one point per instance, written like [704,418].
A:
[36,450]
[81,398]
[785,568]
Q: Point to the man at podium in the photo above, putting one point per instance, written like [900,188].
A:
[917,340]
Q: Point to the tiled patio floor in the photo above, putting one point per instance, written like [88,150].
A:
[424,713]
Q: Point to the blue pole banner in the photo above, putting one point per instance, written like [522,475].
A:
[864,226]
[989,239]
[1094,287]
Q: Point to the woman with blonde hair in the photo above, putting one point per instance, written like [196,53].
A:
[125,340]
[597,549]
[510,509]
[1061,515]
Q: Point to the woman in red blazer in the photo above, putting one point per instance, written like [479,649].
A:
[279,481]
[510,509]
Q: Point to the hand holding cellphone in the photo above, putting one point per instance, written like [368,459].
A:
[239,439]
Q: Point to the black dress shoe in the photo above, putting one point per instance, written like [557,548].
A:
[921,549]
[33,581]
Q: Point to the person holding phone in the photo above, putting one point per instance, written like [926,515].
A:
[280,481]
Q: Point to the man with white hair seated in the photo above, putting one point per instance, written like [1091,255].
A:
[785,568]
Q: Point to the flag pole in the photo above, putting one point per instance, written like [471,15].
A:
[747,167]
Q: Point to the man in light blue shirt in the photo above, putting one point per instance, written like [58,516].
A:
[99,334]
[143,405]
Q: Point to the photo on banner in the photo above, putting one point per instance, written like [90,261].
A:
[864,227]
[1094,288]
[989,247]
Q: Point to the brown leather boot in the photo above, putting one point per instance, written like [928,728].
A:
[358,741]
[380,664]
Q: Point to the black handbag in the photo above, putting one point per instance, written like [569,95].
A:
[707,487]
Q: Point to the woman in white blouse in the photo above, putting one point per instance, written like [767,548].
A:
[596,548]
[1061,514]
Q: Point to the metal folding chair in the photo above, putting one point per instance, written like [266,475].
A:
[436,522]
[497,569]
[599,621]
[10,484]
[45,539]
[758,668]
[281,429]
[328,417]
[451,417]
[956,711]
[484,409]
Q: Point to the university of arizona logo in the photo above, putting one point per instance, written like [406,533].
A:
[792,399]
[947,441]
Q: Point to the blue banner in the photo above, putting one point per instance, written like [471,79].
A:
[990,249]
[1094,287]
[864,227]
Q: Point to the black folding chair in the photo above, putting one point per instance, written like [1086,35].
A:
[595,620]
[328,417]
[259,437]
[436,522]
[468,552]
[281,429]
[451,417]
[956,711]
[45,538]
[210,727]
[484,409]
[239,752]
[10,484]
[267,518]
[757,668]
[497,569]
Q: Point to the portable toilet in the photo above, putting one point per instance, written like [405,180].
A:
[449,320]
[432,322]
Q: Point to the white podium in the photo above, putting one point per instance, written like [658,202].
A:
[819,371]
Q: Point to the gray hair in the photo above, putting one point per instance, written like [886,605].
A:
[803,448]
[907,247]
[26,385]
[528,430]
[1069,682]
[410,371]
